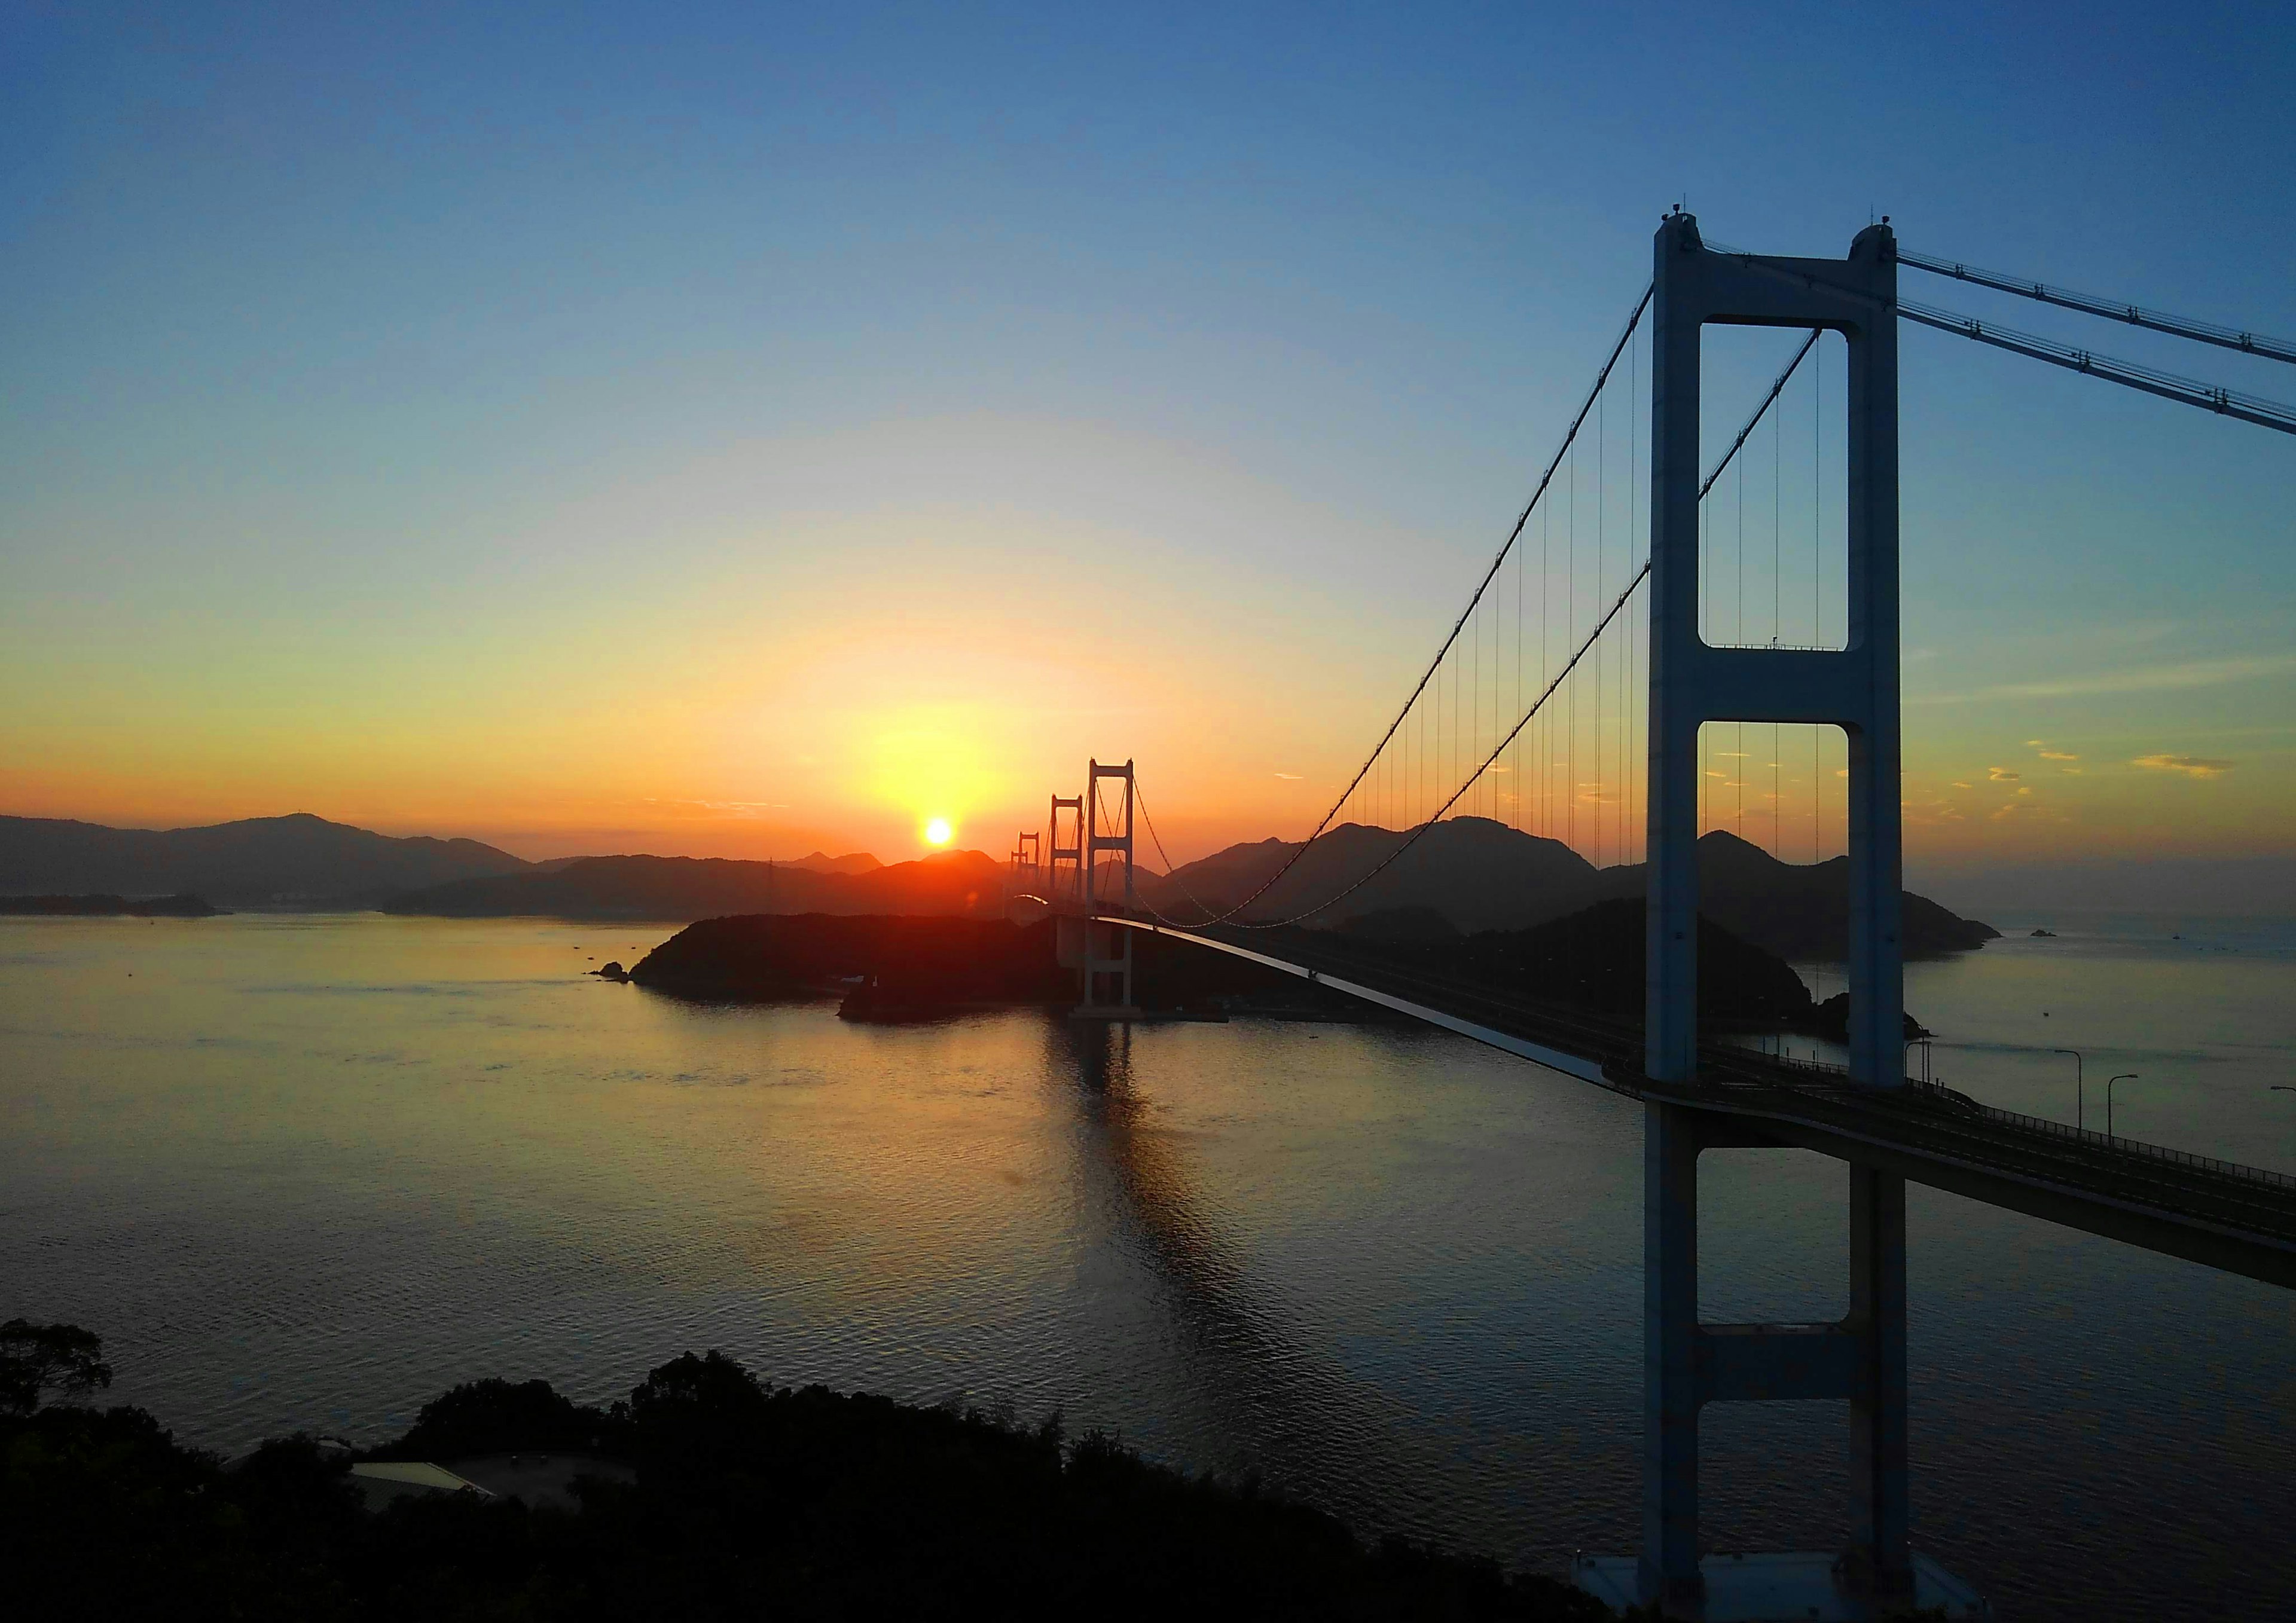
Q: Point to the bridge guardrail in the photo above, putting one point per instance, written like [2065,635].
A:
[2132,1146]
[1748,1068]
[2058,1129]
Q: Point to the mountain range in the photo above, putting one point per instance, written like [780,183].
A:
[1461,877]
[1473,876]
[681,889]
[297,860]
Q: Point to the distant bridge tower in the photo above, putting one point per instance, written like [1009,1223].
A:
[1107,948]
[1058,890]
[1863,1356]
[1027,856]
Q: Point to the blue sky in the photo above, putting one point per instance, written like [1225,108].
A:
[410,409]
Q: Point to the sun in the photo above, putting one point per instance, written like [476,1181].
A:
[937,831]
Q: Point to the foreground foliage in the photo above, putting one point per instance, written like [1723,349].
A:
[749,1501]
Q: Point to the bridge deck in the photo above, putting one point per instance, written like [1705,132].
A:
[2239,1219]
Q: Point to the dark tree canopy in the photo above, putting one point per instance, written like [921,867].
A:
[37,1359]
[749,1501]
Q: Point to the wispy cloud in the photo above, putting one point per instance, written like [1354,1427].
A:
[1289,777]
[739,808]
[2002,774]
[2191,766]
[2149,678]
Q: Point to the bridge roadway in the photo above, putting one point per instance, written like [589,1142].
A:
[2242,1219]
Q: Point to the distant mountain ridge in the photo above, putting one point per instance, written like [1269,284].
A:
[1480,875]
[822,861]
[295,861]
[959,883]
[1470,876]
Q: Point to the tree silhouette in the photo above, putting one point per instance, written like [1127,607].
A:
[59,1358]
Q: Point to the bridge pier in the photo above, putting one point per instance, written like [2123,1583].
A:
[1687,1364]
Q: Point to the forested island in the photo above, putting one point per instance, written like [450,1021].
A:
[706,1493]
[900,967]
[108,906]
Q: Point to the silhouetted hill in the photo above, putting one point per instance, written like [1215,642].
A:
[954,882]
[1480,875]
[1414,925]
[852,862]
[1592,959]
[907,967]
[904,967]
[759,958]
[1800,911]
[298,861]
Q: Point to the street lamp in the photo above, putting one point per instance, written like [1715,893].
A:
[2079,1105]
[2125,1075]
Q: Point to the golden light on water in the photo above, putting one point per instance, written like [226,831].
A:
[937,831]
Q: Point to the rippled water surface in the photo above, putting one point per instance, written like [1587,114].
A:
[307,1172]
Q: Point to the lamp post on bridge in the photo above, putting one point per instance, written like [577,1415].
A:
[2125,1075]
[2080,1104]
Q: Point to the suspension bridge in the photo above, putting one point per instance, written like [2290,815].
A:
[1638,664]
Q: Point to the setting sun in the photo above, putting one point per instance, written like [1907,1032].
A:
[937,831]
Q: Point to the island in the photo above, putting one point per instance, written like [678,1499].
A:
[902,967]
[108,906]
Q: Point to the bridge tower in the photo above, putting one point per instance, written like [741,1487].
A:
[1107,948]
[1027,856]
[1862,1358]
[1070,856]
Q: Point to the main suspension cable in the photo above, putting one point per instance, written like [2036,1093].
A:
[2168,385]
[1171,871]
[2129,374]
[1601,380]
[2111,309]
[1417,834]
[1641,575]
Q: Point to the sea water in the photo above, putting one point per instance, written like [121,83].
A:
[307,1172]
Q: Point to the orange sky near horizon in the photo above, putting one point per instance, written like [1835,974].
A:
[829,671]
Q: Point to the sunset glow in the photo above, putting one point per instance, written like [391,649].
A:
[937,831]
[925,552]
